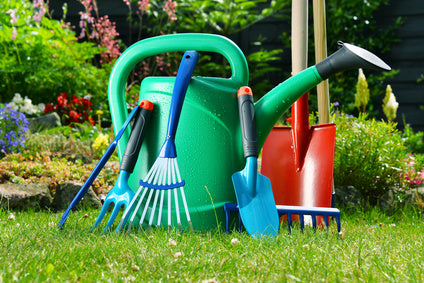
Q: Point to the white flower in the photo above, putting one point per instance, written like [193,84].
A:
[235,242]
[178,254]
[17,98]
[11,217]
[14,106]
[41,107]
[28,109]
[392,103]
[27,101]
[172,242]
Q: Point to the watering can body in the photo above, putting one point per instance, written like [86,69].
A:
[208,140]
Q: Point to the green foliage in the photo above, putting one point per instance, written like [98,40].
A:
[260,64]
[43,58]
[414,141]
[370,155]
[226,17]
[354,21]
[229,18]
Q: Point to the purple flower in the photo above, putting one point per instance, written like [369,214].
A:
[13,127]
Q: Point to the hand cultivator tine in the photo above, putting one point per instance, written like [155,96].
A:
[131,205]
[102,213]
[112,217]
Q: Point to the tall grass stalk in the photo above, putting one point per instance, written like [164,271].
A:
[373,247]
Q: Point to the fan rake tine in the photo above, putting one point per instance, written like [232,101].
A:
[162,180]
[156,177]
[184,198]
[130,206]
[177,207]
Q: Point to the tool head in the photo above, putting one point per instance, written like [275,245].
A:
[256,202]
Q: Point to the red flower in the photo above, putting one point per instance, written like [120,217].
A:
[75,100]
[74,116]
[87,103]
[49,108]
[62,100]
[75,110]
[91,120]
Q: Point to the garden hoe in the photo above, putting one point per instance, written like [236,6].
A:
[93,175]
[121,194]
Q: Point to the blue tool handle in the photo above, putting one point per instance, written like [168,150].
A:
[247,121]
[185,71]
[142,118]
[109,151]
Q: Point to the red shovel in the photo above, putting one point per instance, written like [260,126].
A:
[299,159]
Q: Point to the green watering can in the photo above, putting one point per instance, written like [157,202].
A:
[208,142]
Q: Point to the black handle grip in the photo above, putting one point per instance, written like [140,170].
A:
[247,121]
[130,156]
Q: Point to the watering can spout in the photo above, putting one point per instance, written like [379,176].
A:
[350,57]
[272,105]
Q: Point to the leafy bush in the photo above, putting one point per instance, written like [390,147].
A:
[13,127]
[414,141]
[42,58]
[354,21]
[229,19]
[370,155]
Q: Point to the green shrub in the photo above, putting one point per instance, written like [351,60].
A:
[354,21]
[370,155]
[42,58]
[414,141]
[229,19]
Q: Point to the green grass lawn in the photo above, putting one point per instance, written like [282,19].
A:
[372,247]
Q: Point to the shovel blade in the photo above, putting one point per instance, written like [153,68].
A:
[311,185]
[256,205]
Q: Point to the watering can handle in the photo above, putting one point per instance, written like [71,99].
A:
[169,43]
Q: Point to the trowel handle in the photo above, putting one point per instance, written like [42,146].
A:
[247,121]
[136,137]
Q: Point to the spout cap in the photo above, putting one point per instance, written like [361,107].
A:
[350,57]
